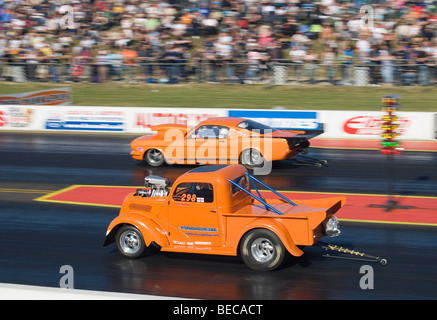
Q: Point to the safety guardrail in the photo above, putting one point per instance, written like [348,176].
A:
[277,72]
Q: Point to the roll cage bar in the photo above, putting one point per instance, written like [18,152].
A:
[259,197]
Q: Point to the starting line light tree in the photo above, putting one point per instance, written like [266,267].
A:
[390,125]
[390,147]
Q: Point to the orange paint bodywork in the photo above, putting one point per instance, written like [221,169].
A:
[180,145]
[216,227]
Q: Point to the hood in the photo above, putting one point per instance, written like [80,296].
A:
[159,131]
[165,127]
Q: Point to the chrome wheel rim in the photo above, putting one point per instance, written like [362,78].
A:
[154,156]
[252,157]
[262,250]
[130,242]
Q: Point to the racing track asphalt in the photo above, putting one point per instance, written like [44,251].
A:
[38,238]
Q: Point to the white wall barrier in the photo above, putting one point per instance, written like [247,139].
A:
[99,119]
[367,125]
[346,124]
[336,124]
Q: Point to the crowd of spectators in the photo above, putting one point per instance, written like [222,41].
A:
[220,40]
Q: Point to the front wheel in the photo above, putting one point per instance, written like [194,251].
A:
[130,242]
[262,250]
[154,158]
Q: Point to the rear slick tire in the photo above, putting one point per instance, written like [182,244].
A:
[251,159]
[262,250]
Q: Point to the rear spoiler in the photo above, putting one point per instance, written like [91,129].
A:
[310,133]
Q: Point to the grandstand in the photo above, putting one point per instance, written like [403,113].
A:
[229,41]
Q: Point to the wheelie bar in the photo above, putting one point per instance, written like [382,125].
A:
[348,254]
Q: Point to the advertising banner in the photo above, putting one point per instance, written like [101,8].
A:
[144,118]
[60,96]
[95,119]
[85,119]
[336,124]
[367,125]
[282,119]
[17,118]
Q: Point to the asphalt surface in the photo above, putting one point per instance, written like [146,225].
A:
[38,238]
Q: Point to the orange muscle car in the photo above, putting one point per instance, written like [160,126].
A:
[222,140]
[211,210]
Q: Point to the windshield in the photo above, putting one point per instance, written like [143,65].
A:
[255,126]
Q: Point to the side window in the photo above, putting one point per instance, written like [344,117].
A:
[181,191]
[207,132]
[194,192]
[223,132]
[204,192]
[242,182]
[210,132]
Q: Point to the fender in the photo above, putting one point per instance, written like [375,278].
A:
[279,229]
[150,230]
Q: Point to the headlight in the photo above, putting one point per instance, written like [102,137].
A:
[332,227]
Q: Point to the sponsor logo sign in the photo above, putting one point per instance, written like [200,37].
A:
[370,125]
[85,119]
[16,117]
[281,119]
[148,119]
[2,119]
[61,96]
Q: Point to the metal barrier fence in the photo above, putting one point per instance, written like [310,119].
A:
[274,73]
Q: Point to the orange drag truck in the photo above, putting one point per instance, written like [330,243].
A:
[212,210]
